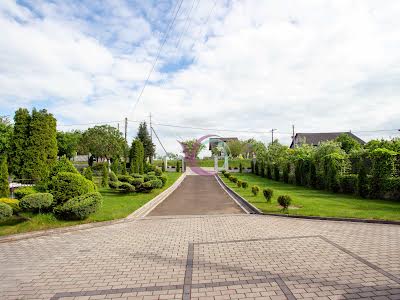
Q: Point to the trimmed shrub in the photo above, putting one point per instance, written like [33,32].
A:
[234,179]
[137,175]
[5,211]
[65,186]
[245,184]
[88,173]
[284,201]
[114,184]
[123,168]
[4,185]
[178,166]
[239,183]
[136,181]
[391,188]
[146,187]
[113,177]
[362,184]
[255,189]
[158,171]
[104,176]
[37,202]
[348,183]
[151,173]
[227,174]
[21,192]
[126,187]
[156,183]
[14,203]
[223,172]
[79,208]
[240,168]
[125,178]
[63,165]
[268,193]
[163,178]
[149,177]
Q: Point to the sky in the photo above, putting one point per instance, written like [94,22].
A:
[248,65]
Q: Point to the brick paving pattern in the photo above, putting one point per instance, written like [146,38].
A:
[207,257]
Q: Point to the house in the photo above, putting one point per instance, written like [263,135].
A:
[316,138]
[219,142]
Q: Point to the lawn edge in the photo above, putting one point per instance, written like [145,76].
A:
[353,220]
[64,229]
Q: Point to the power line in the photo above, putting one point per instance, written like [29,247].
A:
[187,23]
[157,57]
[92,123]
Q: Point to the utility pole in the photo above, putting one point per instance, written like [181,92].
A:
[151,130]
[272,132]
[126,129]
[293,135]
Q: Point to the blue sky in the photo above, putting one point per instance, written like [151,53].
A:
[245,65]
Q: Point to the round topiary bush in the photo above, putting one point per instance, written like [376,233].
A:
[14,203]
[146,187]
[36,202]
[233,179]
[255,190]
[62,165]
[245,184]
[126,187]
[79,208]
[284,201]
[5,211]
[268,193]
[65,186]
[88,173]
[156,183]
[21,192]
[158,171]
[150,177]
[239,183]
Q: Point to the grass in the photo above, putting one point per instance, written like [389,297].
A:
[115,206]
[310,202]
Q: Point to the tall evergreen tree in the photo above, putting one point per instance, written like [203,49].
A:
[144,136]
[19,142]
[42,149]
[4,186]
[136,156]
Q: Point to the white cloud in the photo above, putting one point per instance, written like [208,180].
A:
[322,65]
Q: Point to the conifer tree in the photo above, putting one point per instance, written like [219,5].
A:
[19,143]
[144,136]
[4,186]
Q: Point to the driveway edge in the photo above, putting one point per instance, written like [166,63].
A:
[258,211]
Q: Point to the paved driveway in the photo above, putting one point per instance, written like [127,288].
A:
[207,257]
[197,195]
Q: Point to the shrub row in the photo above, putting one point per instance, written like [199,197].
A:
[80,207]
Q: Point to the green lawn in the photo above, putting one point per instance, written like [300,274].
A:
[310,202]
[115,206]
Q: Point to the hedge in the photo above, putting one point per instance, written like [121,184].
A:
[65,186]
[14,203]
[37,202]
[79,208]
[5,211]
[348,183]
[21,192]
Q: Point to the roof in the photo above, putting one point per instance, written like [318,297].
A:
[215,141]
[316,138]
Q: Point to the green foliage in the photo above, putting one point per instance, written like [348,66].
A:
[5,211]
[157,171]
[41,151]
[152,173]
[150,177]
[125,178]
[236,147]
[253,167]
[19,143]
[126,187]
[88,173]
[103,141]
[123,168]
[313,175]
[277,175]
[136,157]
[68,143]
[391,188]
[146,187]
[104,176]
[65,186]
[255,189]
[79,208]
[6,131]
[21,192]
[156,183]
[269,171]
[4,185]
[261,169]
[115,166]
[144,136]
[113,177]
[284,201]
[136,182]
[268,193]
[38,202]
[233,179]
[114,184]
[62,165]
[178,166]
[163,179]
[257,168]
[136,175]
[382,168]
[245,184]
[192,148]
[348,183]
[347,143]
[362,181]
[239,183]
[240,168]
[14,203]
[286,172]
